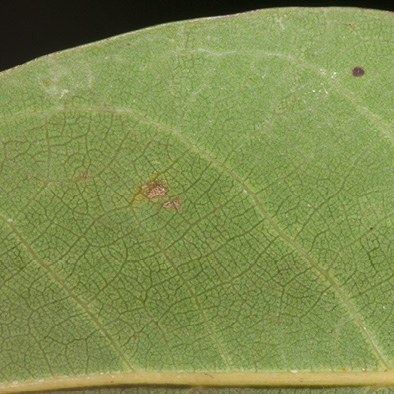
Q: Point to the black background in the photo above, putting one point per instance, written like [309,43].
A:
[32,28]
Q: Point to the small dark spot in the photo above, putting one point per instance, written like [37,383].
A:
[128,44]
[351,24]
[358,71]
[47,82]
[371,228]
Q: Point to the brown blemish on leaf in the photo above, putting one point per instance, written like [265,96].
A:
[177,205]
[344,369]
[47,82]
[154,189]
[358,71]
[82,176]
[351,24]
[167,205]
[172,204]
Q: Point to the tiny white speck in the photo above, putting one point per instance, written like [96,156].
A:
[294,371]
[10,220]
[363,369]
[309,205]
[244,191]
[384,307]
[64,91]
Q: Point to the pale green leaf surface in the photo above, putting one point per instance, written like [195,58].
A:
[280,255]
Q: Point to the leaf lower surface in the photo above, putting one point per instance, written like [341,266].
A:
[209,196]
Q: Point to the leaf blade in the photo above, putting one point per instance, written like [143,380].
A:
[279,159]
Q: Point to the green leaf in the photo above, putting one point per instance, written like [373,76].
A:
[207,202]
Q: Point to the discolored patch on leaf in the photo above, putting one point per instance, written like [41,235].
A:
[172,204]
[154,189]
[83,176]
[358,71]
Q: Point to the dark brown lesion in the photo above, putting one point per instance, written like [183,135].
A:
[358,71]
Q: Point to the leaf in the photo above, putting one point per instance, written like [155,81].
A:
[202,202]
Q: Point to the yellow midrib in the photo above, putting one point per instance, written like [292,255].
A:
[222,379]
